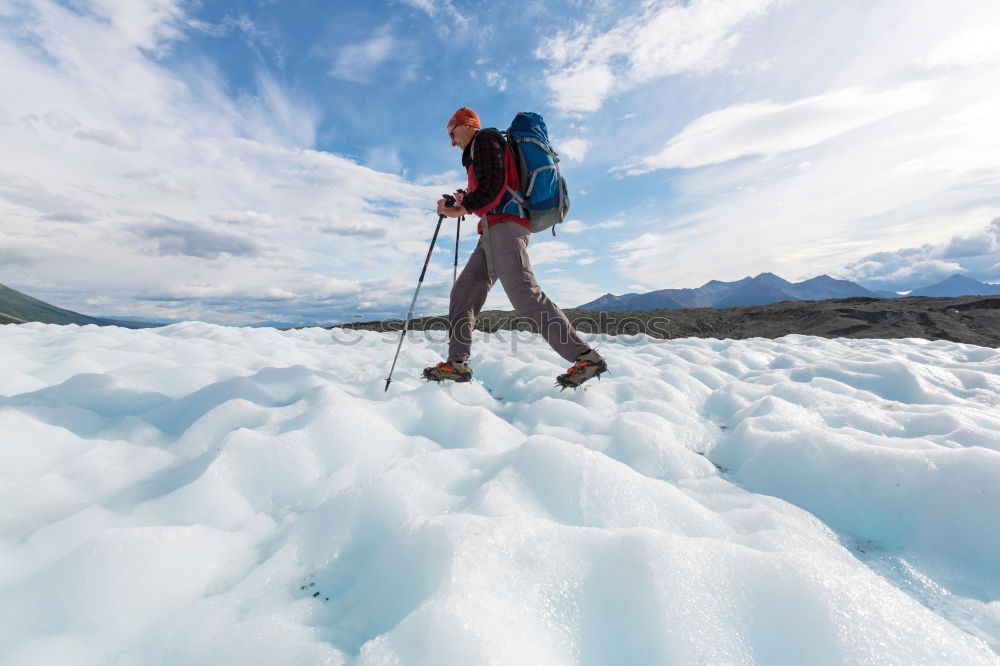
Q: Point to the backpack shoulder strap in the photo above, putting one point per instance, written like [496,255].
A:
[472,144]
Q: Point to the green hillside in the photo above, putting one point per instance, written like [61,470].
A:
[18,308]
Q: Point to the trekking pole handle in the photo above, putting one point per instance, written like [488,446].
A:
[451,201]
[463,194]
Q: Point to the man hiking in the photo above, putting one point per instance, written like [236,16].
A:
[501,254]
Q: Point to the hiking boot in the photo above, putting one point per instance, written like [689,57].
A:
[456,371]
[587,366]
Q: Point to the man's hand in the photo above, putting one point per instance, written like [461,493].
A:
[448,211]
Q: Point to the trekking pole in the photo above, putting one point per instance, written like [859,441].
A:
[449,201]
[458,233]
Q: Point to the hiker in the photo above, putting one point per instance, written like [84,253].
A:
[501,254]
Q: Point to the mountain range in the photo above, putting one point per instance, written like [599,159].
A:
[958,285]
[768,288]
[764,289]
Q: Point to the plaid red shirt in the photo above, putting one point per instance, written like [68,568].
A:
[489,175]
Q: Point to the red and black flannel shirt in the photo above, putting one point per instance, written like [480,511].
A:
[489,173]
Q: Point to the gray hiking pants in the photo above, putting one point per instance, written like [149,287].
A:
[510,262]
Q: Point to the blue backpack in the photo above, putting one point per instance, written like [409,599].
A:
[546,198]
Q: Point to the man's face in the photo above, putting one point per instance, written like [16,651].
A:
[461,135]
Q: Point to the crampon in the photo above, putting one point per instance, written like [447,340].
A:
[455,371]
[587,366]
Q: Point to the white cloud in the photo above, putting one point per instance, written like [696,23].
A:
[111,138]
[909,157]
[216,292]
[383,158]
[172,237]
[382,57]
[245,217]
[975,255]
[577,226]
[147,24]
[984,242]
[642,248]
[581,86]
[551,252]
[433,7]
[365,229]
[358,62]
[574,149]
[205,189]
[572,227]
[925,175]
[277,116]
[496,81]
[27,192]
[769,128]
[659,40]
[572,291]
[977,47]
[60,120]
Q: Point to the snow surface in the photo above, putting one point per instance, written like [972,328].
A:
[199,494]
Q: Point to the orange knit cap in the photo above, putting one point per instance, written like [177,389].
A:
[464,116]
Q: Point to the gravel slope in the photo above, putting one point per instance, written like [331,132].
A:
[969,319]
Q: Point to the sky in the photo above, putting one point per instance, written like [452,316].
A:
[238,162]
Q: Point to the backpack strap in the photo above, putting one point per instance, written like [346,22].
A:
[518,201]
[516,197]
[487,245]
[488,251]
[534,175]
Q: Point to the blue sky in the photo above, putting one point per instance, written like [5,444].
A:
[246,161]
